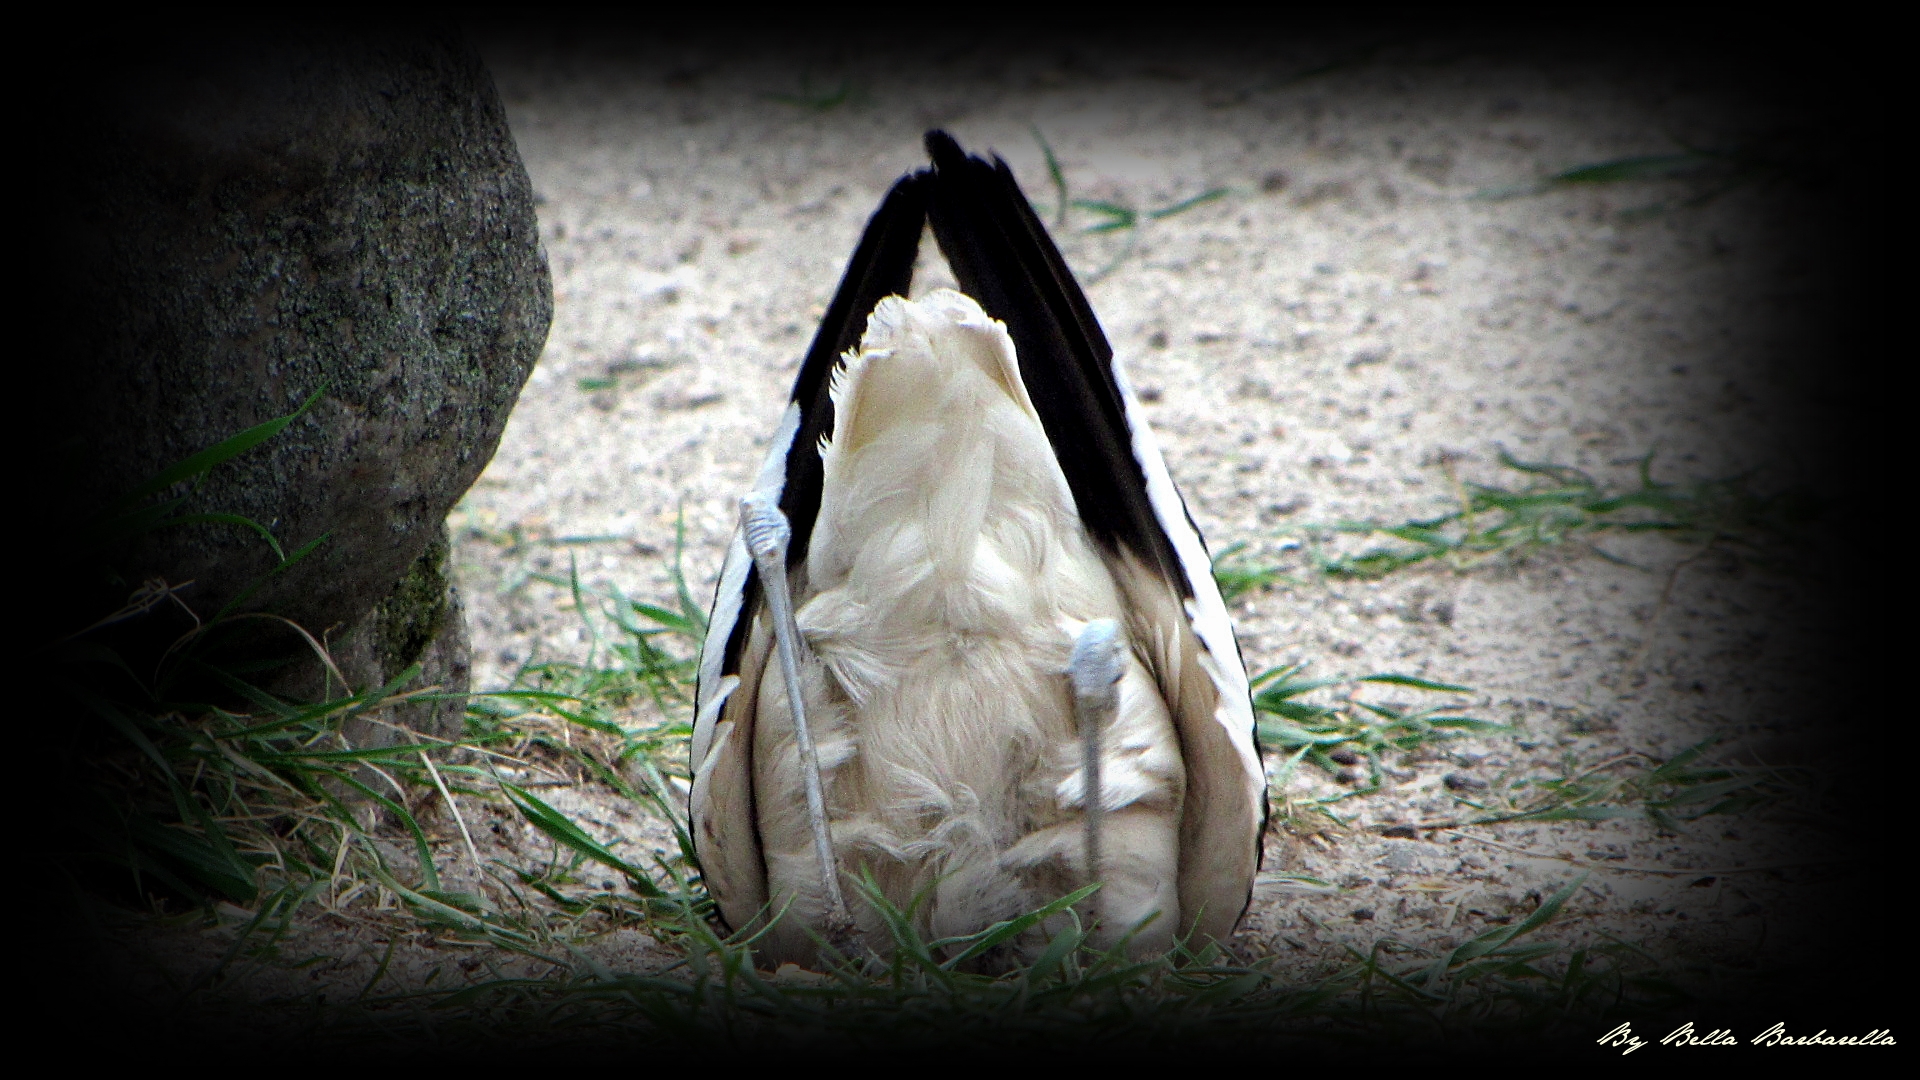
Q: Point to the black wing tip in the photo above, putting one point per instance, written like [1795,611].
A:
[945,151]
[906,183]
[952,161]
[949,158]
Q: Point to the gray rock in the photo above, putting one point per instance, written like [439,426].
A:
[419,622]
[243,222]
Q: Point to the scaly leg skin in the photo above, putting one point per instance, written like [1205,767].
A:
[1129,790]
[767,535]
[1095,668]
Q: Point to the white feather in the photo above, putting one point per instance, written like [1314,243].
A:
[946,578]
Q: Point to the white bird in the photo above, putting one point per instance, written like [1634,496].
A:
[965,592]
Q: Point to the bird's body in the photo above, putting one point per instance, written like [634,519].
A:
[944,565]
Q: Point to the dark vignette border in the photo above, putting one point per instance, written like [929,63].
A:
[1825,86]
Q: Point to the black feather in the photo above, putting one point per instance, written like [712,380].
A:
[1004,259]
[882,266]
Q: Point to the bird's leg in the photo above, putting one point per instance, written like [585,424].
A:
[1097,662]
[767,535]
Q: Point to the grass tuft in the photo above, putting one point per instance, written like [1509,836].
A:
[1237,574]
[1111,217]
[1704,173]
[1341,732]
[1558,504]
[1553,505]
[1671,794]
[1070,992]
[820,99]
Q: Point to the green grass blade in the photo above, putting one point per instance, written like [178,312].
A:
[1184,205]
[230,519]
[1416,683]
[214,455]
[132,523]
[1644,167]
[1117,217]
[1012,928]
[556,825]
[255,586]
[1054,175]
[429,874]
[1678,762]
[233,869]
[695,615]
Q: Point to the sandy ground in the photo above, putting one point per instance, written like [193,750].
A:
[1343,335]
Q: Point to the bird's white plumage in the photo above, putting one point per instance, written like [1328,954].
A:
[947,579]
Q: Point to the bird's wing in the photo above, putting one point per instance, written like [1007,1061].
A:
[1003,258]
[724,825]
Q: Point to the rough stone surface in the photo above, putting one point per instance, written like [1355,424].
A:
[248,222]
[420,622]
